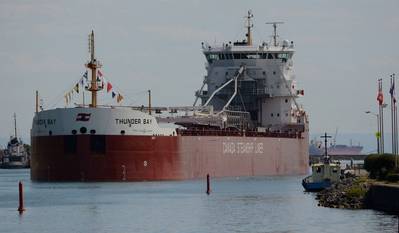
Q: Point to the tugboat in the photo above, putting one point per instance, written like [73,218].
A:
[15,155]
[323,174]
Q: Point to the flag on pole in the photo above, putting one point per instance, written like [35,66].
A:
[109,87]
[380,97]
[392,91]
[113,95]
[76,88]
[99,73]
[82,82]
[85,75]
[119,98]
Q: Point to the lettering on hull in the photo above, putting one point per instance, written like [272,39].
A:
[237,148]
[133,121]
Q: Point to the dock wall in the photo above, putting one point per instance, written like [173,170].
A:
[384,197]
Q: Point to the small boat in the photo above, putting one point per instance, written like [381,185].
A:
[15,155]
[323,174]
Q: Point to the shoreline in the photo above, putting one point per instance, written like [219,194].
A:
[360,192]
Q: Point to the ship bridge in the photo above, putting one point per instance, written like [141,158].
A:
[257,79]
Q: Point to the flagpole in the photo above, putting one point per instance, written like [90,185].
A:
[378,135]
[396,135]
[381,117]
[392,117]
[395,121]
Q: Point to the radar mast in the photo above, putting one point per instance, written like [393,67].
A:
[249,26]
[275,31]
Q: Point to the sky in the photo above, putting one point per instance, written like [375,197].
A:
[342,48]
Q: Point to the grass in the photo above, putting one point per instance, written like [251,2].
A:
[356,192]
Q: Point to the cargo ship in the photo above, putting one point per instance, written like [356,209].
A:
[245,121]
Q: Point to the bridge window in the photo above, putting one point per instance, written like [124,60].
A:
[212,57]
[253,56]
[264,55]
[282,55]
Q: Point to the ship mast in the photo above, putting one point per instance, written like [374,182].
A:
[93,65]
[275,31]
[249,26]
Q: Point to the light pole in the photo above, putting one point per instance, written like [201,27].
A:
[378,134]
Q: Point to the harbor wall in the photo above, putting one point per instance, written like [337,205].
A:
[384,197]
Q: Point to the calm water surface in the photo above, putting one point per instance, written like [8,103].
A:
[265,204]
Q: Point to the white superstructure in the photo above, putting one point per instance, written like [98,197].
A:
[258,79]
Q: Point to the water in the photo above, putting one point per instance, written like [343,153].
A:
[265,204]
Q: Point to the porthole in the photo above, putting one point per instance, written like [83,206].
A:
[93,131]
[50,132]
[74,131]
[286,100]
[83,130]
[123,132]
[274,72]
[278,114]
[271,114]
[286,114]
[264,73]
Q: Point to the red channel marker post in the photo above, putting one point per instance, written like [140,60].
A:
[208,185]
[21,208]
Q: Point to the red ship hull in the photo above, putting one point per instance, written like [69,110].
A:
[144,158]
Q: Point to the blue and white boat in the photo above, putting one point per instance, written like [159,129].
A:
[324,174]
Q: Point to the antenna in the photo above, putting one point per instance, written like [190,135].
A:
[249,26]
[275,31]
[325,136]
[15,124]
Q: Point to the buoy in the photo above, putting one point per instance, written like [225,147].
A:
[21,198]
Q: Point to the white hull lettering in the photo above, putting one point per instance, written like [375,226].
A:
[237,148]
